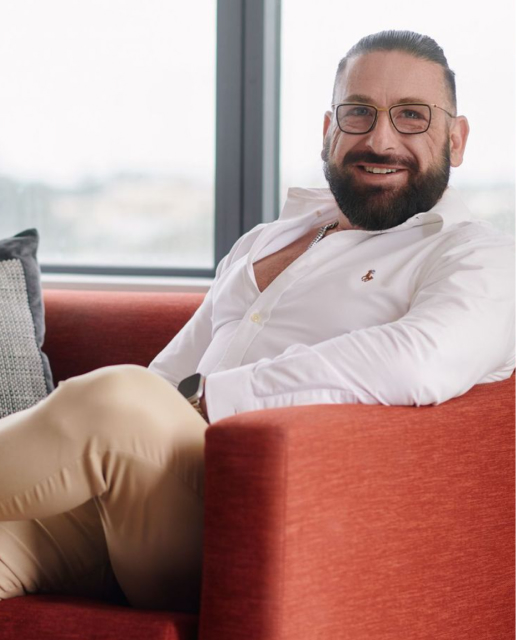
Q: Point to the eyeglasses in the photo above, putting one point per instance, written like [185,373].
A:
[358,119]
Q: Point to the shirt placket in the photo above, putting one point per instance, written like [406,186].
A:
[258,314]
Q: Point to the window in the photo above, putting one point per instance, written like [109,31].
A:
[143,136]
[479,46]
[107,131]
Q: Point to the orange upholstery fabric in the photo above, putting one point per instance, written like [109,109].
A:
[57,618]
[91,329]
[363,522]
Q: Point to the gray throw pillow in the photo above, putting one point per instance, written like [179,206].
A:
[25,376]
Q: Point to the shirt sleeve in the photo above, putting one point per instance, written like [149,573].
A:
[458,331]
[181,357]
[183,353]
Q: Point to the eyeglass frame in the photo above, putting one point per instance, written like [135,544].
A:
[388,109]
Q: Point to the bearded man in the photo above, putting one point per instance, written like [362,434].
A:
[378,290]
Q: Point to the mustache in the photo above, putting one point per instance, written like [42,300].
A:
[369,157]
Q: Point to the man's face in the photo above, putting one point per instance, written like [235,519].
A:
[422,162]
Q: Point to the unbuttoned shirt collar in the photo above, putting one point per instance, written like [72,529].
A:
[319,202]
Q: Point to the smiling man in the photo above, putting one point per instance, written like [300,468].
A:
[380,289]
[372,291]
[401,131]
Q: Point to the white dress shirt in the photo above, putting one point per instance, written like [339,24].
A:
[416,314]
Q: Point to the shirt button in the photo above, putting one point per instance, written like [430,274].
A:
[318,214]
[256,317]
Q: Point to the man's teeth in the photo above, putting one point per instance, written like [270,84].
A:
[378,170]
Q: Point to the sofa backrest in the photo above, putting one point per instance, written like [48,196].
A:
[86,330]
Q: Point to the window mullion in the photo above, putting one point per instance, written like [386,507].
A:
[261,112]
[229,124]
[247,142]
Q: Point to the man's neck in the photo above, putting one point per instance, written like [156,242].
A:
[344,224]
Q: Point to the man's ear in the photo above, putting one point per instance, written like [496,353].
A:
[326,126]
[327,122]
[459,133]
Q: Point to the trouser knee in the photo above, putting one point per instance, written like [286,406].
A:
[99,401]
[124,400]
[123,412]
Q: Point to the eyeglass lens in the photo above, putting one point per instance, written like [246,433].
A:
[407,118]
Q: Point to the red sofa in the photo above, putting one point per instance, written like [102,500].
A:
[346,522]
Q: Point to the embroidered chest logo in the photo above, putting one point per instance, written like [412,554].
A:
[368,276]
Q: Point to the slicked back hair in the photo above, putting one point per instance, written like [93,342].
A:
[415,44]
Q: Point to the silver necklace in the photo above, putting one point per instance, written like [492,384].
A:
[322,232]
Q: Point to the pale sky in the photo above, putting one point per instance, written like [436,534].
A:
[92,87]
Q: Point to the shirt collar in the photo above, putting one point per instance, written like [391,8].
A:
[450,209]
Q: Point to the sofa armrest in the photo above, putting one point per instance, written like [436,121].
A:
[362,522]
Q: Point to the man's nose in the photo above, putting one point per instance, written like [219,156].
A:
[384,136]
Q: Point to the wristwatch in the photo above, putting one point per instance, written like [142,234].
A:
[192,388]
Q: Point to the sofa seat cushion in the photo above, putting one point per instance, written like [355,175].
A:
[67,618]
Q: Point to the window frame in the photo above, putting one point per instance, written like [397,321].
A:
[247,147]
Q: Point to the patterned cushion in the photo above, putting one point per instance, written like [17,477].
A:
[25,376]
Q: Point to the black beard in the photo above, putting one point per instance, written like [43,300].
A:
[376,208]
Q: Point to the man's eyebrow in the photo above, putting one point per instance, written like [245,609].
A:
[411,100]
[359,97]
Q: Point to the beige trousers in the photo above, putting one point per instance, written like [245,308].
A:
[101,484]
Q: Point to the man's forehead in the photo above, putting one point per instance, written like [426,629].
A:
[390,75]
